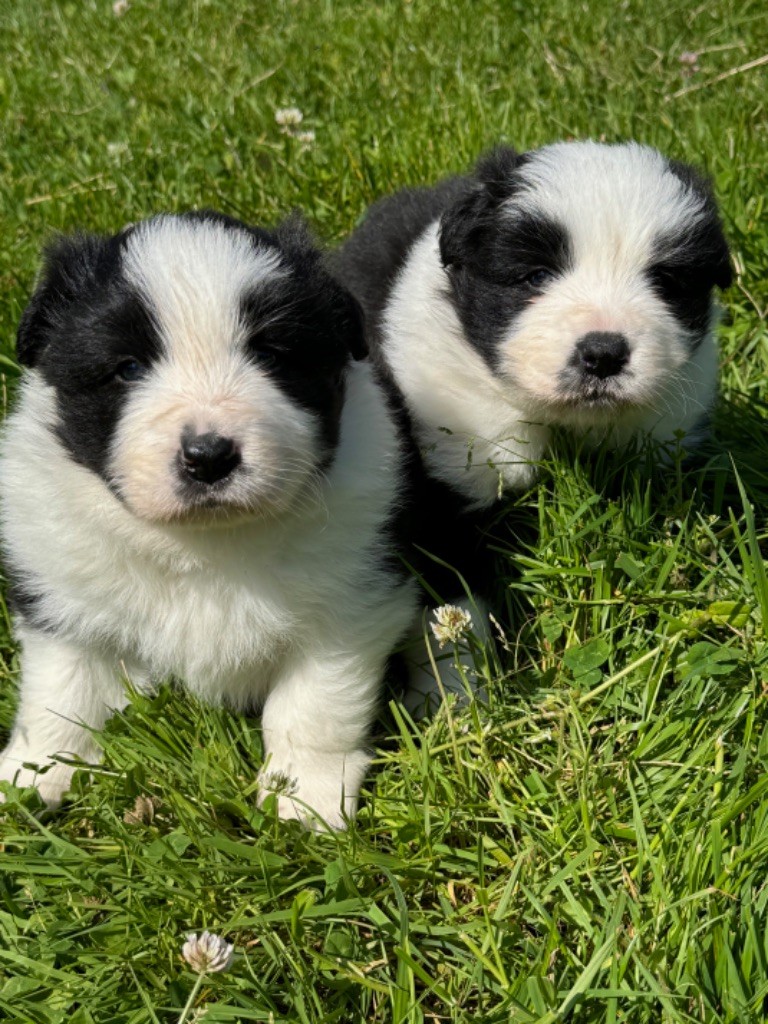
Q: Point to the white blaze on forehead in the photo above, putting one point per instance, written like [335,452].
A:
[194,274]
[612,200]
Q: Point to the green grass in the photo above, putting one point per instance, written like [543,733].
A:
[593,844]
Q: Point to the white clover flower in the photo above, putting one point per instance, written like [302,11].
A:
[689,57]
[207,953]
[279,783]
[120,7]
[305,138]
[288,117]
[451,623]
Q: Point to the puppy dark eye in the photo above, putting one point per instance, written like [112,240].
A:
[264,358]
[671,282]
[538,278]
[130,371]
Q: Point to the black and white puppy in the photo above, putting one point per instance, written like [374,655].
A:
[198,480]
[570,286]
[567,287]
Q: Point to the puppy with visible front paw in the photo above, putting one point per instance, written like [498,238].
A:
[199,480]
[567,287]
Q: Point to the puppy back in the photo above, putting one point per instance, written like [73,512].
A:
[369,261]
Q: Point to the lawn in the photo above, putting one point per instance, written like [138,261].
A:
[592,844]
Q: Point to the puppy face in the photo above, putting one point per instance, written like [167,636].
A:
[198,364]
[583,274]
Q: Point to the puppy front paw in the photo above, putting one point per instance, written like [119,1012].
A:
[320,791]
[51,779]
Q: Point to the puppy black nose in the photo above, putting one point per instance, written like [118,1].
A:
[602,354]
[208,457]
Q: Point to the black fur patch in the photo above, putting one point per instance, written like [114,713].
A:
[303,329]
[688,264]
[370,260]
[466,223]
[496,270]
[432,534]
[84,322]
[685,269]
[496,262]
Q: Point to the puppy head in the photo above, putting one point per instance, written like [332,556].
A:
[198,364]
[583,274]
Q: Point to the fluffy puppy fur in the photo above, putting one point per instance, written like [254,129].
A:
[198,480]
[568,287]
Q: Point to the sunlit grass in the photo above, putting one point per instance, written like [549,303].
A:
[590,846]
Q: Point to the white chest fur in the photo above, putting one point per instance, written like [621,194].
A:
[474,433]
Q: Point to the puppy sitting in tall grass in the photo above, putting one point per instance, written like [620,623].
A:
[570,287]
[199,480]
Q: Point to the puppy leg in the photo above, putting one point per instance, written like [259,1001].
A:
[63,689]
[315,724]
[454,675]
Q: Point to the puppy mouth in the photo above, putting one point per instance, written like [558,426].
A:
[192,503]
[219,501]
[213,507]
[210,515]
[596,398]
[611,393]
[239,498]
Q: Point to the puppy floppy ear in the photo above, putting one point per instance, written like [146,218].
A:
[297,241]
[348,319]
[32,329]
[464,224]
[355,327]
[721,262]
[69,264]
[710,241]
[496,171]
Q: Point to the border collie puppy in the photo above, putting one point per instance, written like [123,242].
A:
[568,287]
[199,481]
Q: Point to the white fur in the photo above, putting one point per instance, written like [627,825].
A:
[291,610]
[484,431]
[193,276]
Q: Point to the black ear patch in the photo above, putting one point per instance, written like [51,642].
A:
[496,171]
[304,327]
[693,179]
[70,266]
[707,239]
[354,327]
[722,272]
[345,313]
[465,224]
[33,326]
